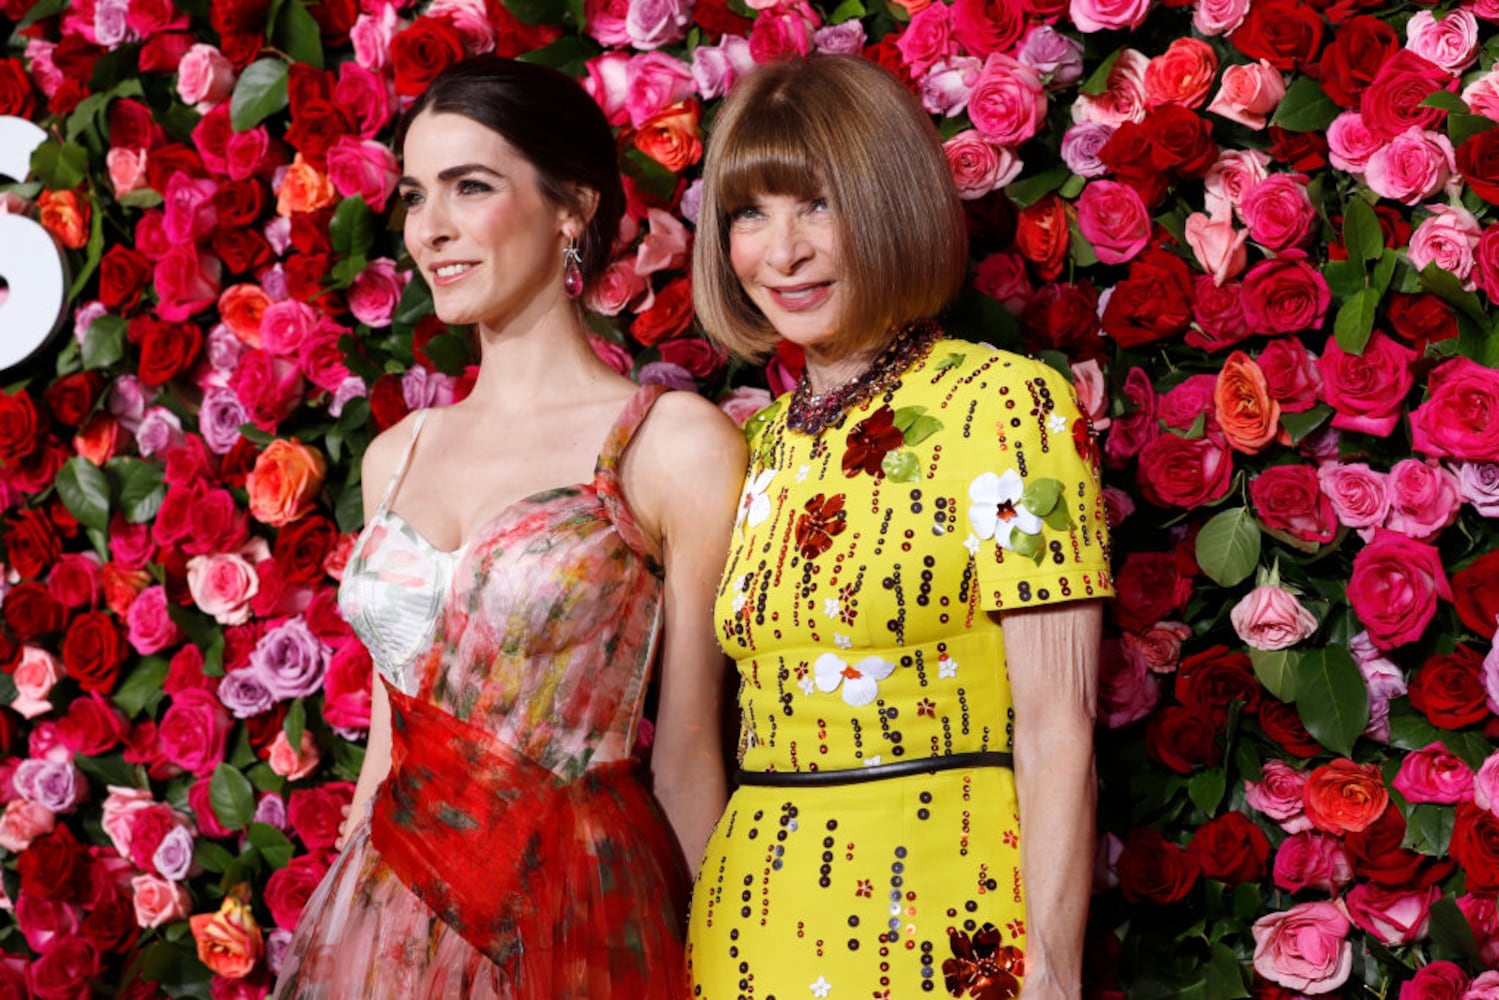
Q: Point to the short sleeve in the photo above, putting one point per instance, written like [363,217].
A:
[1034,505]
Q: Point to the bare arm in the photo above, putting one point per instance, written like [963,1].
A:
[1052,655]
[688,471]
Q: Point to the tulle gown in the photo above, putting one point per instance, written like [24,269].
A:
[515,850]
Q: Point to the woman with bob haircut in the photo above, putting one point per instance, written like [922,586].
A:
[913,586]
[527,553]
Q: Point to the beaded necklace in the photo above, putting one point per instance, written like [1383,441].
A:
[812,414]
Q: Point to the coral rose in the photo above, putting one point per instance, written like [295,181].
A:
[304,189]
[1344,797]
[1242,404]
[285,482]
[229,941]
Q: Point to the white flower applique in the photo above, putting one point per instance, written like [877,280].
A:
[1056,423]
[754,503]
[822,987]
[996,510]
[860,682]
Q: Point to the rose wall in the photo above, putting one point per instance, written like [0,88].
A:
[1261,234]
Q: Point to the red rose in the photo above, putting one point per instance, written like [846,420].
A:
[315,127]
[886,54]
[240,203]
[1475,847]
[1184,472]
[30,611]
[123,273]
[93,650]
[1153,303]
[1478,162]
[1460,418]
[301,548]
[1288,498]
[132,125]
[1218,314]
[334,19]
[1127,154]
[1359,47]
[1421,319]
[1042,236]
[696,355]
[194,730]
[242,250]
[30,543]
[1392,102]
[990,220]
[55,866]
[288,889]
[167,349]
[72,397]
[717,19]
[1149,588]
[1285,295]
[1231,849]
[1285,33]
[63,971]
[1154,870]
[311,231]
[1436,981]
[110,925]
[982,27]
[1282,724]
[1216,678]
[1062,316]
[1290,374]
[1182,739]
[513,37]
[315,814]
[92,726]
[305,273]
[1448,689]
[422,51]
[17,96]
[172,158]
[1378,855]
[1302,152]
[1475,593]
[387,405]
[18,426]
[668,317]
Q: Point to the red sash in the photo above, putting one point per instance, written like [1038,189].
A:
[573,887]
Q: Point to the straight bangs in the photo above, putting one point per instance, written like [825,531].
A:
[768,154]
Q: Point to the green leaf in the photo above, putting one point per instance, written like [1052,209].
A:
[567,54]
[352,230]
[232,797]
[450,352]
[271,843]
[1384,270]
[43,10]
[1445,100]
[84,490]
[259,93]
[1478,344]
[1469,747]
[1305,108]
[1029,190]
[1449,288]
[537,11]
[1344,277]
[901,466]
[1228,546]
[104,344]
[1355,321]
[1081,248]
[1225,975]
[656,179]
[1462,127]
[1098,80]
[141,489]
[1361,233]
[60,166]
[1428,829]
[1041,495]
[1299,425]
[847,11]
[1026,545]
[110,770]
[1206,788]
[141,691]
[1276,669]
[1059,518]
[296,722]
[1412,732]
[297,34]
[1332,698]
[212,857]
[1451,932]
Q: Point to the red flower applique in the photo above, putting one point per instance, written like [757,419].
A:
[822,518]
[981,967]
[870,441]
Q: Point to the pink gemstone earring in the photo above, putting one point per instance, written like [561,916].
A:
[572,270]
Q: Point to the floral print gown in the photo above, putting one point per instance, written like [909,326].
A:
[514,851]
[855,602]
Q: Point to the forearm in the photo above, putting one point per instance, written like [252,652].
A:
[693,798]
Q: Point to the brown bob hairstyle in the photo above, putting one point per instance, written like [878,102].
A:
[842,128]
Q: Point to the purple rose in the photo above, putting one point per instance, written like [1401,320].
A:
[290,660]
[54,785]
[1080,146]
[667,374]
[1479,484]
[220,418]
[174,855]
[245,694]
[846,39]
[271,810]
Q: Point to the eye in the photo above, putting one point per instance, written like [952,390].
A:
[746,213]
[470,186]
[411,199]
[819,204]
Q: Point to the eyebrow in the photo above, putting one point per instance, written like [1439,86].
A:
[452,173]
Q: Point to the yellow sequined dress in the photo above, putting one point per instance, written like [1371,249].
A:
[856,604]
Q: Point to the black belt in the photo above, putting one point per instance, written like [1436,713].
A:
[878,772]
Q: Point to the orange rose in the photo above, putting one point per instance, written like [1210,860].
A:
[241,307]
[65,217]
[671,137]
[229,941]
[1344,797]
[1242,403]
[100,439]
[1041,235]
[121,586]
[304,189]
[285,482]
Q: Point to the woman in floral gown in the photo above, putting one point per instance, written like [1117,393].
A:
[912,587]
[527,552]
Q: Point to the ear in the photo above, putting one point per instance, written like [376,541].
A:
[582,203]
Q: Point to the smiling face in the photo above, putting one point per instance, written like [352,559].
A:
[784,250]
[486,239]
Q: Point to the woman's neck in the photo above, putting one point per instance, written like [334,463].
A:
[827,372]
[541,361]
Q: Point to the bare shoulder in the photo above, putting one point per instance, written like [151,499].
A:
[381,457]
[686,436]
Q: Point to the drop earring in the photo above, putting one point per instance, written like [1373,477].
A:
[572,269]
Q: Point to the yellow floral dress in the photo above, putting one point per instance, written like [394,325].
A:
[855,601]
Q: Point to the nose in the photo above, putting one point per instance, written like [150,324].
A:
[788,247]
[434,223]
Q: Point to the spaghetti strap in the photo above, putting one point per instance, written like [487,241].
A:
[400,473]
[606,473]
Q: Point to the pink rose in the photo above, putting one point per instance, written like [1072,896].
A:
[248,153]
[363,168]
[470,19]
[222,586]
[1159,647]
[1424,498]
[1107,15]
[288,888]
[1278,212]
[1486,784]
[1350,143]
[605,22]
[1291,375]
[1008,102]
[846,39]
[664,247]
[927,39]
[1092,390]
[363,95]
[1447,238]
[46,922]
[1441,980]
[371,37]
[1312,859]
[1217,245]
[34,676]
[1271,618]
[158,901]
[615,289]
[744,402]
[283,326]
[1484,987]
[653,82]
[189,211]
[979,166]
[1450,42]
[205,79]
[1482,95]
[1412,166]
[23,822]
[193,731]
[269,387]
[1393,915]
[1218,17]
[1248,93]
[1366,391]
[186,282]
[1394,588]
[1112,217]
[1357,493]
[151,629]
[1434,774]
[608,83]
[715,67]
[120,807]
[651,24]
[1123,100]
[1460,418]
[294,763]
[1127,692]
[377,291]
[1230,177]
[1279,795]
[127,169]
[781,33]
[1304,948]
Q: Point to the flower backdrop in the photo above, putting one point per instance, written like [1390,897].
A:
[1260,234]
